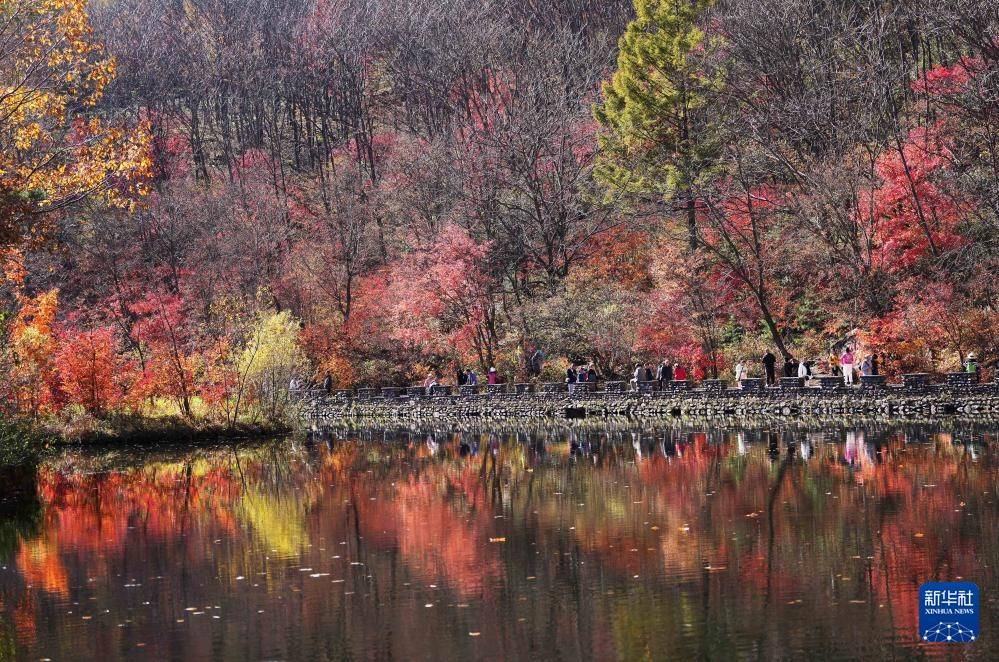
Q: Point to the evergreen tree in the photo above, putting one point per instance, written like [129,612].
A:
[656,144]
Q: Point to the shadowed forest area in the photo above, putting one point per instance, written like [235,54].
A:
[202,200]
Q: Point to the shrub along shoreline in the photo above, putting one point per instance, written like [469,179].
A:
[25,443]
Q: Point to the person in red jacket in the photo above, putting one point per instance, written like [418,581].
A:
[679,373]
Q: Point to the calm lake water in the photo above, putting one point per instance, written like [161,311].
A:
[506,543]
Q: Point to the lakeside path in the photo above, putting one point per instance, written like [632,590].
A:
[922,403]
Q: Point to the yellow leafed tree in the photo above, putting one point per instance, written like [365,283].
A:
[271,359]
[56,149]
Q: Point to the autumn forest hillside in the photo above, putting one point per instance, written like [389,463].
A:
[201,200]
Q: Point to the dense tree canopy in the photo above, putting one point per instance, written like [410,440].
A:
[55,151]
[415,185]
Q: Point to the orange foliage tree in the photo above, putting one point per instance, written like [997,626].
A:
[32,385]
[55,150]
[89,369]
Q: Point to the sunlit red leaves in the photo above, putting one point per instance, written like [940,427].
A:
[917,213]
[163,326]
[90,369]
[944,80]
[437,293]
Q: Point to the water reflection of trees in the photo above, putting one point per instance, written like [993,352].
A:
[548,524]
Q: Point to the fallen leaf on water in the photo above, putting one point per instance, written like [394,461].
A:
[497,540]
[474,634]
[920,535]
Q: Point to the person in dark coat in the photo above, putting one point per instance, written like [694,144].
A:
[328,383]
[570,375]
[790,367]
[537,358]
[770,367]
[665,375]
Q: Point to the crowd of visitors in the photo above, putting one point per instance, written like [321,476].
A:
[844,364]
[580,374]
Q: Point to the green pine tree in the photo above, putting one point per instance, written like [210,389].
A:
[656,144]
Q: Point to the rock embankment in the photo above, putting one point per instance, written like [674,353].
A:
[927,403]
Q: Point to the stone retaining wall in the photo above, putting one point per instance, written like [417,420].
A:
[926,403]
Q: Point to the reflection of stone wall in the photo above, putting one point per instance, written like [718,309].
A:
[928,403]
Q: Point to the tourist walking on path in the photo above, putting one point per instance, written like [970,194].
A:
[971,365]
[874,364]
[865,367]
[461,377]
[790,367]
[639,375]
[846,364]
[537,361]
[740,372]
[570,375]
[679,373]
[471,379]
[328,383]
[803,371]
[665,375]
[770,367]
[430,382]
[492,377]
[591,374]
[833,364]
[649,376]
